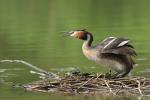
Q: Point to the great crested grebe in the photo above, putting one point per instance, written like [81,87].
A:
[115,53]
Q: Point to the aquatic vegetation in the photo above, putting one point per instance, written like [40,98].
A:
[78,82]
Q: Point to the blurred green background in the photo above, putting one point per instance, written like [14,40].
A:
[31,30]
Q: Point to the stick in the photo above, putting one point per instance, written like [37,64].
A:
[110,90]
[85,83]
[139,87]
[41,72]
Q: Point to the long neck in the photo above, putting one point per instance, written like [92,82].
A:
[87,43]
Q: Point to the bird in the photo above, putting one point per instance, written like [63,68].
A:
[116,53]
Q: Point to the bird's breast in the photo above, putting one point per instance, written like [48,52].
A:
[91,54]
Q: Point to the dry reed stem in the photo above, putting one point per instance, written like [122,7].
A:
[79,83]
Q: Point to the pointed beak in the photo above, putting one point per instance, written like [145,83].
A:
[68,33]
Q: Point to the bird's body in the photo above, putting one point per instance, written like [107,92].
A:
[115,53]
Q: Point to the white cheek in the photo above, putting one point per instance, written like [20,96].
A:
[75,34]
[72,34]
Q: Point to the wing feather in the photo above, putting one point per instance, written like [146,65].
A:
[117,46]
[122,50]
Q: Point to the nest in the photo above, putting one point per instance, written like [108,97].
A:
[93,83]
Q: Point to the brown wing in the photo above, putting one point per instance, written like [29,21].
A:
[117,46]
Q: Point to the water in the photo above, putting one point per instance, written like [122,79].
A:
[30,30]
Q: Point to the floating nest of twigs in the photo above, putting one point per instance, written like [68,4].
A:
[88,83]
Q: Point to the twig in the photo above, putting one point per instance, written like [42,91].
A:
[110,90]
[85,83]
[43,73]
[139,87]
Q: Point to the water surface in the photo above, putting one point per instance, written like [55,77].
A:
[30,30]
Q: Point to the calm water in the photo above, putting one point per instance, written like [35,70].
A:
[30,30]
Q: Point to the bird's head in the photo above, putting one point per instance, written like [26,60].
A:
[80,34]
